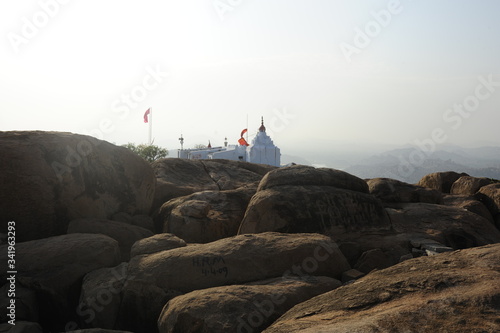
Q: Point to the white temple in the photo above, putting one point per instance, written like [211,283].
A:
[262,150]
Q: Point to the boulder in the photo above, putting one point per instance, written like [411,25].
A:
[144,221]
[441,181]
[100,297]
[206,216]
[467,185]
[26,305]
[54,268]
[156,243]
[181,177]
[51,178]
[395,191]
[469,203]
[306,175]
[450,226]
[316,209]
[126,235]
[239,259]
[490,196]
[451,292]
[372,259]
[239,308]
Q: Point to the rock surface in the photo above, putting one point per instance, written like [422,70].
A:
[468,185]
[125,234]
[54,268]
[156,243]
[440,181]
[51,178]
[239,308]
[469,203]
[180,177]
[206,216]
[395,191]
[451,292]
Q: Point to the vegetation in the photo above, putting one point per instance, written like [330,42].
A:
[148,152]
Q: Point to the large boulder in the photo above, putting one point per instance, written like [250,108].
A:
[451,292]
[490,196]
[100,297]
[156,243]
[467,185]
[306,175]
[451,226]
[54,268]
[125,234]
[181,177]
[395,191]
[51,178]
[206,216]
[441,181]
[239,308]
[311,208]
[239,259]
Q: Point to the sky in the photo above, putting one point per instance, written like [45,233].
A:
[326,75]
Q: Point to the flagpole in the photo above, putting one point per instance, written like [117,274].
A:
[150,126]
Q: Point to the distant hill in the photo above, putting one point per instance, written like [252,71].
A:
[410,164]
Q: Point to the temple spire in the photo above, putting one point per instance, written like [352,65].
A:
[262,128]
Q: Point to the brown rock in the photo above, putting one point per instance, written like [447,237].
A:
[321,209]
[395,191]
[490,196]
[156,243]
[453,227]
[441,181]
[467,185]
[305,175]
[51,178]
[206,216]
[125,234]
[470,204]
[181,177]
[372,259]
[453,292]
[239,308]
[54,268]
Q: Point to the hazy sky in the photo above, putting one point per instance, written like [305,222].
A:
[322,72]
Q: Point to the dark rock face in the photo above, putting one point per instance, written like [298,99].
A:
[456,291]
[156,243]
[394,191]
[469,203]
[54,267]
[51,178]
[239,308]
[206,216]
[467,185]
[178,177]
[440,181]
[126,235]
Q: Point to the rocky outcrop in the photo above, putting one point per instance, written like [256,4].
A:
[453,227]
[180,177]
[156,278]
[51,178]
[239,308]
[125,234]
[54,268]
[453,292]
[490,196]
[206,216]
[394,191]
[440,181]
[467,185]
[156,243]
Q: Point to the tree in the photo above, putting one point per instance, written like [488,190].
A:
[148,152]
